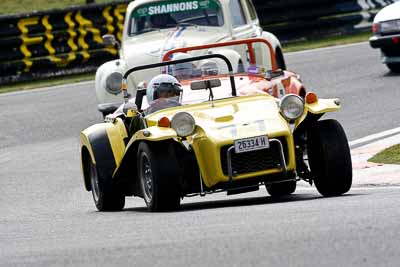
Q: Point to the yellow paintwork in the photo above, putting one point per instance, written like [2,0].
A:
[225,122]
[116,133]
[320,107]
[217,124]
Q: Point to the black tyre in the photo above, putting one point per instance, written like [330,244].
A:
[159,177]
[394,67]
[105,197]
[281,189]
[329,158]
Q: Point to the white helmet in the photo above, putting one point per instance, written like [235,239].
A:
[162,83]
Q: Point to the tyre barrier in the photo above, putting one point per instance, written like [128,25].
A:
[58,42]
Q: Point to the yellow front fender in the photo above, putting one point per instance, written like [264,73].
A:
[152,134]
[320,107]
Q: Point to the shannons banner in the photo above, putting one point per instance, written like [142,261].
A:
[167,7]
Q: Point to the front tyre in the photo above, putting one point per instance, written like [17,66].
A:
[329,158]
[105,197]
[394,67]
[159,177]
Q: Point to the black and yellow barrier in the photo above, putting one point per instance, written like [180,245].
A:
[50,43]
[58,42]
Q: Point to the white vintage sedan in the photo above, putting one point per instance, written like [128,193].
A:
[386,29]
[153,27]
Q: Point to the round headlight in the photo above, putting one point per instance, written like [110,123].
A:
[113,83]
[183,123]
[292,107]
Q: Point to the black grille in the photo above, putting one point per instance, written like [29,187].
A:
[253,161]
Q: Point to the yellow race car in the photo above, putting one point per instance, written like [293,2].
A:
[209,129]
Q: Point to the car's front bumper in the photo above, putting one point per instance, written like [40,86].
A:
[220,165]
[389,45]
[381,41]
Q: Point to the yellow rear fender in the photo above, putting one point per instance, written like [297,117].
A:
[104,145]
[126,173]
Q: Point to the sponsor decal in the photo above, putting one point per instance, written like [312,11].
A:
[168,7]
[253,70]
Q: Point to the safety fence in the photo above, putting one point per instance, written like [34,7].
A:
[301,19]
[58,42]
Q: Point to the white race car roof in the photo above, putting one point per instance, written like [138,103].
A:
[391,12]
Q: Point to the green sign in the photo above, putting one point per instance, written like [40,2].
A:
[167,7]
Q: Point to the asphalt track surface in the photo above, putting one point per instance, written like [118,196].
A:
[47,219]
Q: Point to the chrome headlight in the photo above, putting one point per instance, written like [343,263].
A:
[291,107]
[183,123]
[114,83]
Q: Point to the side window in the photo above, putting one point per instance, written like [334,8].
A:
[238,18]
[252,10]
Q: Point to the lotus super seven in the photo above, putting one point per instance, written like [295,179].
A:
[201,128]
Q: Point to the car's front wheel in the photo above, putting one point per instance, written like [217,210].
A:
[394,67]
[105,197]
[329,158]
[159,178]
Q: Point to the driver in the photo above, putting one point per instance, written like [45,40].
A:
[163,91]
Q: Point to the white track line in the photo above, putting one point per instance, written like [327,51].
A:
[374,137]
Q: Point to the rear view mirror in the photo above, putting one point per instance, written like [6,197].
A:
[206,84]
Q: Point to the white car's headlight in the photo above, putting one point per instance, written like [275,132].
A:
[291,107]
[113,83]
[183,123]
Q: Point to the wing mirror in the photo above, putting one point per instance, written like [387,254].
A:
[204,85]
[110,40]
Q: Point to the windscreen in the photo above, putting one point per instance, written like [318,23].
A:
[249,78]
[170,14]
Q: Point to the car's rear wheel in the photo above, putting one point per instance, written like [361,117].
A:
[394,67]
[105,197]
[159,177]
[281,189]
[329,158]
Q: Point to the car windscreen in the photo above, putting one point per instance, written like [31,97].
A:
[169,14]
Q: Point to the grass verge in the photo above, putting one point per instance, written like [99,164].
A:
[388,156]
[290,47]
